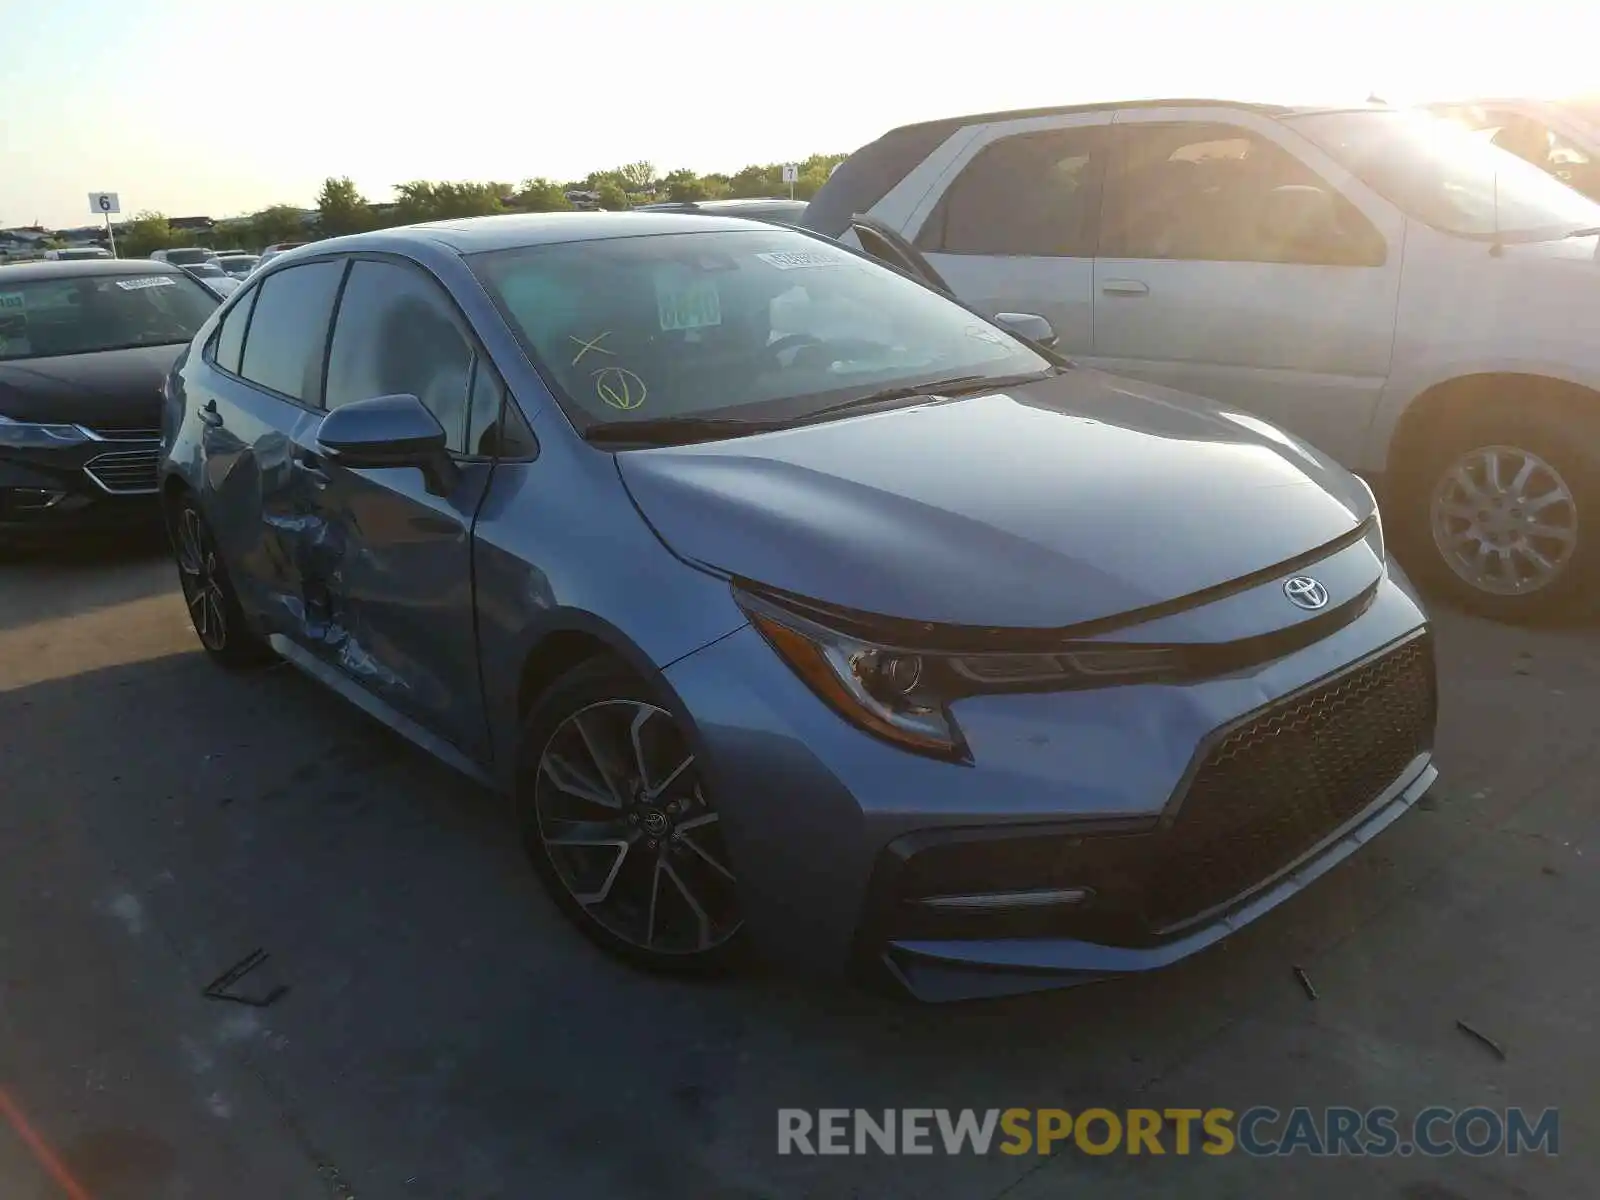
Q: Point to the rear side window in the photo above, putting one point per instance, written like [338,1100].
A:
[230,338]
[397,333]
[867,176]
[289,330]
[1031,194]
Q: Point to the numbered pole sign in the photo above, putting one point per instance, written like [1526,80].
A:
[791,172]
[104,202]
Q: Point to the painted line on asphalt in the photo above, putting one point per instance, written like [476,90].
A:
[46,1157]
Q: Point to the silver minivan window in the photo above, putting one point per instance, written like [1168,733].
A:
[1448,178]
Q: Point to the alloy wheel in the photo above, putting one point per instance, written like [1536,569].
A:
[1504,520]
[199,573]
[622,815]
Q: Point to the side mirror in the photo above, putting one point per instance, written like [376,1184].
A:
[1298,214]
[389,431]
[1030,326]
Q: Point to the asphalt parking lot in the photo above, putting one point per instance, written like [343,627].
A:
[445,1034]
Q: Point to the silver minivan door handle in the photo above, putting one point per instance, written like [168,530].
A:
[1125,287]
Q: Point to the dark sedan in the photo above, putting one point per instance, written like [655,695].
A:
[84,347]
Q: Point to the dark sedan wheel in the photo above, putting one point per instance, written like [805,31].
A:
[1506,504]
[213,607]
[616,818]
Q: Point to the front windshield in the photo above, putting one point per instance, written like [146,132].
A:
[238,266]
[207,270]
[187,257]
[1448,178]
[45,318]
[752,324]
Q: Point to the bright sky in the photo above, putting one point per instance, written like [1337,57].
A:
[219,107]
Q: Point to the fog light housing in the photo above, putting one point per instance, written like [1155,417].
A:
[27,501]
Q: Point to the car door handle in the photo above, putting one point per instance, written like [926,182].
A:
[209,414]
[1125,287]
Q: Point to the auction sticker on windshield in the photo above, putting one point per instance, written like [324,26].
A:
[794,260]
[12,302]
[146,281]
[687,303]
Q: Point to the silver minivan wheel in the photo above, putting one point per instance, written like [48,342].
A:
[1504,520]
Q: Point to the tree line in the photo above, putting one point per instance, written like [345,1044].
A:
[342,209]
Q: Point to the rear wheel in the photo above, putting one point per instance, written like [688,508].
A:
[616,819]
[213,606]
[1505,512]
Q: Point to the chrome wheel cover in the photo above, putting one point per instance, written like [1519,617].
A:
[621,812]
[1504,520]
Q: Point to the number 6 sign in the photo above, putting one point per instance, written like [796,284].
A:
[104,202]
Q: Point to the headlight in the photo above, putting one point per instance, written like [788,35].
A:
[25,435]
[1375,530]
[901,693]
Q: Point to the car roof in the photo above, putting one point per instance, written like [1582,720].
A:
[77,268]
[728,205]
[958,122]
[474,235]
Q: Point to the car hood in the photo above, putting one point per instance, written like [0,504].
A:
[1070,500]
[108,391]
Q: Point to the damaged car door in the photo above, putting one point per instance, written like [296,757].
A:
[401,621]
[257,415]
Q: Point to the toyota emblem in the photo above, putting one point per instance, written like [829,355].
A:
[1305,592]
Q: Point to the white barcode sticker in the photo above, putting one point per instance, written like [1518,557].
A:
[146,281]
[794,260]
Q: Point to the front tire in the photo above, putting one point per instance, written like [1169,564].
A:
[208,593]
[615,817]
[1505,514]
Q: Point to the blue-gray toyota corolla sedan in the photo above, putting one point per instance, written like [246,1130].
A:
[794,605]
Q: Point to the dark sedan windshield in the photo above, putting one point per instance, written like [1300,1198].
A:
[758,323]
[1449,178]
[46,318]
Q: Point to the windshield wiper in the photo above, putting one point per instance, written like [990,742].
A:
[956,385]
[677,430]
[1592,231]
[669,430]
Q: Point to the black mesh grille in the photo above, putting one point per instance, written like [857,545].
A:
[1272,788]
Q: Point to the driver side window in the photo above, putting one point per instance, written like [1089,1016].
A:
[1220,193]
[397,333]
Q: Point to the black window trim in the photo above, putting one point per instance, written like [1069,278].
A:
[463,326]
[1111,194]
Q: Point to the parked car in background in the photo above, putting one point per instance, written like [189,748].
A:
[913,649]
[1401,293]
[238,265]
[84,347]
[272,251]
[183,256]
[76,254]
[772,209]
[213,276]
[1561,137]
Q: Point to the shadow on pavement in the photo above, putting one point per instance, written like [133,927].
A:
[446,1034]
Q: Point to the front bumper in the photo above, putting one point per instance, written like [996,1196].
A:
[837,836]
[93,486]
